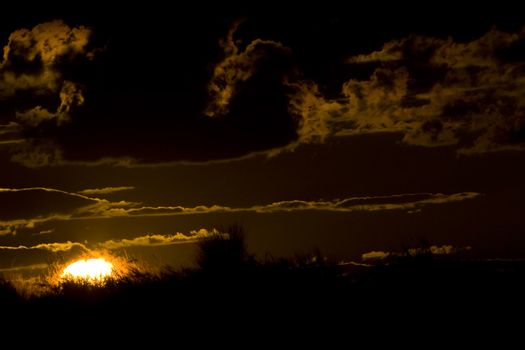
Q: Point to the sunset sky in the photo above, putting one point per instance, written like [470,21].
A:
[144,130]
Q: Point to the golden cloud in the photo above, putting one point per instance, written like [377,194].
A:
[475,98]
[236,67]
[105,190]
[151,240]
[375,255]
[88,207]
[55,247]
[30,62]
[159,240]
[446,249]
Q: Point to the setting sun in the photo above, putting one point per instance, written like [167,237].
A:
[90,270]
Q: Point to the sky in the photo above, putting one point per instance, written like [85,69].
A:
[144,130]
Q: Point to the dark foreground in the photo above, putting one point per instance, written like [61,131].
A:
[285,294]
[232,294]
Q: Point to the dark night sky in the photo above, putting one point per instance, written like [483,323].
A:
[348,130]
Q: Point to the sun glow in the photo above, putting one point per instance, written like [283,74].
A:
[90,270]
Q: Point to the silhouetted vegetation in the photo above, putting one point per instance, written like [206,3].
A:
[224,253]
[231,284]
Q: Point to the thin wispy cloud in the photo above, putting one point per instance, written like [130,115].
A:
[45,232]
[154,240]
[105,190]
[148,240]
[54,247]
[49,204]
[375,255]
[90,207]
[351,204]
[445,249]
[24,268]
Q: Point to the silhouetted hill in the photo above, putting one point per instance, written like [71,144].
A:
[230,291]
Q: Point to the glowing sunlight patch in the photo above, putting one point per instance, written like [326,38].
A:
[90,270]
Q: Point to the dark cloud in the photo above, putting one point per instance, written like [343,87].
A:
[239,84]
[435,91]
[31,63]
[230,98]
[237,67]
[70,97]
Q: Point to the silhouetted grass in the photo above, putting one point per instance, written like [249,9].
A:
[229,283]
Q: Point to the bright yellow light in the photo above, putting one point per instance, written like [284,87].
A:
[90,270]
